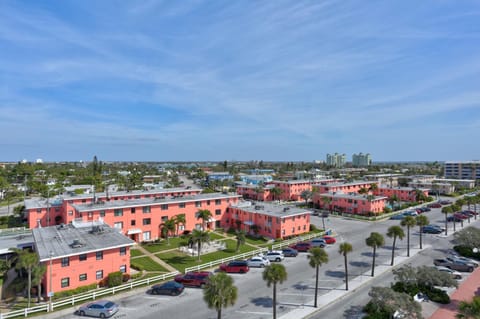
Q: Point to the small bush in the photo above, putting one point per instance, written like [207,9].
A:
[126,277]
[313,227]
[115,279]
[466,251]
[374,312]
[438,295]
[76,291]
[410,289]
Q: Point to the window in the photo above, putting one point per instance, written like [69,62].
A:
[147,221]
[102,213]
[90,214]
[70,213]
[198,204]
[99,274]
[208,202]
[146,235]
[164,207]
[304,227]
[164,218]
[181,205]
[82,277]
[123,269]
[65,261]
[132,222]
[118,212]
[82,257]
[65,282]
[99,255]
[293,229]
[118,225]
[218,211]
[146,209]
[123,251]
[293,218]
[132,210]
[218,202]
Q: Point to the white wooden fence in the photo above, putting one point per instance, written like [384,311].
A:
[92,295]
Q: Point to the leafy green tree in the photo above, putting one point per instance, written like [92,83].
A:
[344,249]
[306,195]
[469,237]
[469,310]
[274,274]
[392,200]
[421,221]
[409,222]
[29,261]
[375,240]
[220,292]
[276,192]
[199,237]
[373,187]
[326,203]
[386,301]
[395,232]
[423,276]
[204,215]
[316,257]
[179,220]
[240,238]
[168,227]
[363,190]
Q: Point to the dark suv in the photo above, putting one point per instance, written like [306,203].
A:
[194,279]
[238,266]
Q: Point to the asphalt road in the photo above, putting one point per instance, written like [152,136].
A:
[254,298]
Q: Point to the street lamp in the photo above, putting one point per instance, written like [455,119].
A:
[50,292]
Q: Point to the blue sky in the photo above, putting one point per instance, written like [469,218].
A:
[239,80]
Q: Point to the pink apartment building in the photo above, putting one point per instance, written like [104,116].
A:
[351,203]
[404,194]
[269,220]
[80,254]
[346,188]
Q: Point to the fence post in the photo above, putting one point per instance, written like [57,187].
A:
[93,295]
[73,299]
[26,312]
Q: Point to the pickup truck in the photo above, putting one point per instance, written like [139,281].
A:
[455,265]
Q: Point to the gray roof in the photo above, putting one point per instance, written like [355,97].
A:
[132,193]
[351,196]
[58,240]
[271,209]
[354,183]
[150,201]
[15,239]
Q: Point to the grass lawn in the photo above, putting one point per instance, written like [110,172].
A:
[256,241]
[135,253]
[175,242]
[181,261]
[147,264]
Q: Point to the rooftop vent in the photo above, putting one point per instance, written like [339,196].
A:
[77,244]
[97,229]
[286,209]
[62,226]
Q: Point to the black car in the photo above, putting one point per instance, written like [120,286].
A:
[431,229]
[171,288]
[290,252]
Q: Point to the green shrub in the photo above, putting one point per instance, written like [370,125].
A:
[466,251]
[76,291]
[313,227]
[410,289]
[438,295]
[374,312]
[115,279]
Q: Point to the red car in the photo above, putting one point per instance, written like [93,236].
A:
[238,266]
[303,246]
[330,240]
[194,279]
[435,205]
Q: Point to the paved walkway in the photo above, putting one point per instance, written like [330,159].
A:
[155,258]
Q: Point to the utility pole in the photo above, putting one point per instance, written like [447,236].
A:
[50,292]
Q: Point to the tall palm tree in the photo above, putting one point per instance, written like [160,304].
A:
[394,232]
[180,220]
[316,257]
[220,292]
[199,237]
[408,221]
[422,221]
[29,261]
[276,191]
[344,249]
[326,202]
[37,276]
[273,274]
[306,195]
[259,190]
[204,215]
[446,210]
[168,227]
[240,237]
[469,310]
[374,240]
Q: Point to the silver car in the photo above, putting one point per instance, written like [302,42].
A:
[100,309]
[258,261]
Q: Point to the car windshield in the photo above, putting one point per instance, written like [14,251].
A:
[109,304]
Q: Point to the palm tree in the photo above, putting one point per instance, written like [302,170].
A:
[408,222]
[180,220]
[363,190]
[469,310]
[392,200]
[29,261]
[395,231]
[316,257]
[204,215]
[273,274]
[240,237]
[259,190]
[446,210]
[373,187]
[420,196]
[344,249]
[421,220]
[375,240]
[276,191]
[168,227]
[306,195]
[326,202]
[37,276]
[199,237]
[220,292]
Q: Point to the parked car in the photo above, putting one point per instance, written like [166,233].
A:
[457,217]
[455,265]
[445,202]
[434,205]
[329,240]
[398,216]
[467,213]
[99,308]
[171,288]
[431,229]
[411,213]
[258,261]
[236,266]
[194,278]
[290,252]
[467,261]
[425,209]
[302,246]
[274,255]
[455,274]
[318,242]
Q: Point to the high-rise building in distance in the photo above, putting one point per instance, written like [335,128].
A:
[361,159]
[337,160]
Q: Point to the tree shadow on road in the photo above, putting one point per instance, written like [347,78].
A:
[354,312]
[266,302]
[336,274]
